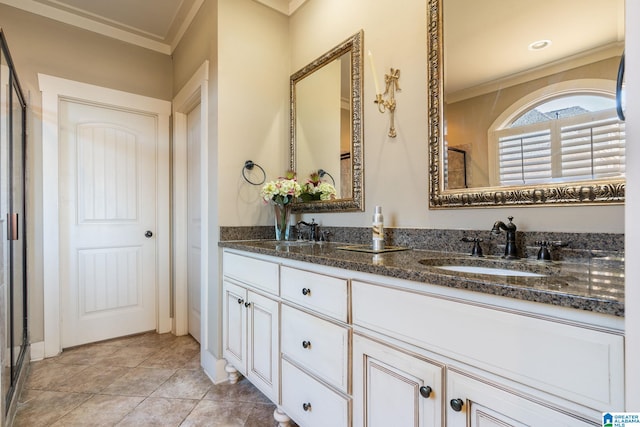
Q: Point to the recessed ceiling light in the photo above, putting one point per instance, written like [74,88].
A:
[540,44]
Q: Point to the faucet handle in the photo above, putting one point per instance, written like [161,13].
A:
[477,249]
[543,253]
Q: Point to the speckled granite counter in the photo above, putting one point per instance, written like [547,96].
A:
[597,284]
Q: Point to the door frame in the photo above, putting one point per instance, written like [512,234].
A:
[53,89]
[195,91]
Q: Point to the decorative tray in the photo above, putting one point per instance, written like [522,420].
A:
[369,249]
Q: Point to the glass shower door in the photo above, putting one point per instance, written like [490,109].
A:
[13,273]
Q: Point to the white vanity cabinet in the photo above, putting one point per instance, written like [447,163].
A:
[315,346]
[528,369]
[334,347]
[251,325]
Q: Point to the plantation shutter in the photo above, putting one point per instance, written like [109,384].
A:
[593,149]
[581,147]
[525,158]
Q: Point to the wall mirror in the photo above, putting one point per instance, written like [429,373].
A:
[326,125]
[522,102]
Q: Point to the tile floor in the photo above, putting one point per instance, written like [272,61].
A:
[142,380]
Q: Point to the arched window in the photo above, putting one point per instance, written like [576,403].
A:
[569,133]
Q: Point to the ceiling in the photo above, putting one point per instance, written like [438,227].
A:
[154,24]
[487,41]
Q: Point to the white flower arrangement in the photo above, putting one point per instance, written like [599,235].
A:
[282,191]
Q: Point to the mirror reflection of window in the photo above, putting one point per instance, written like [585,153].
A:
[572,137]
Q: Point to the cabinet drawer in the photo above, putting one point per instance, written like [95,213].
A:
[321,347]
[251,271]
[310,403]
[324,294]
[582,365]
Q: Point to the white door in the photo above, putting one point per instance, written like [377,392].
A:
[107,181]
[194,228]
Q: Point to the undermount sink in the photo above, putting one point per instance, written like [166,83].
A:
[489,270]
[492,266]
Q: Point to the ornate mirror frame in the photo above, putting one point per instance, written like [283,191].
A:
[354,44]
[578,193]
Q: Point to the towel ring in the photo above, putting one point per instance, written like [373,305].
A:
[249,165]
[322,173]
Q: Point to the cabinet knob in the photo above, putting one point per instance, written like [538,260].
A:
[306,291]
[240,300]
[456,404]
[425,391]
[247,304]
[306,344]
[306,406]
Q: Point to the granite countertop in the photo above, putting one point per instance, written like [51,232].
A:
[594,284]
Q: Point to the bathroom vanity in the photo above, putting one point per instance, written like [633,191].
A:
[341,338]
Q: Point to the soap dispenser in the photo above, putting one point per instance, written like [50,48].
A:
[377,230]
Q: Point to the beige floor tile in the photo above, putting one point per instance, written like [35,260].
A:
[129,356]
[99,411]
[86,355]
[159,412]
[172,357]
[243,391]
[143,380]
[149,339]
[211,413]
[185,384]
[94,379]
[139,382]
[43,374]
[43,408]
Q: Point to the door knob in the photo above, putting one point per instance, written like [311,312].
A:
[148,234]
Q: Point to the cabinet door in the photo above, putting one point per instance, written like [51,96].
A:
[263,341]
[234,325]
[473,402]
[393,388]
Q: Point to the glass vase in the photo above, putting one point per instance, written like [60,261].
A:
[282,214]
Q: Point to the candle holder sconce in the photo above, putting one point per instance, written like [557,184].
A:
[391,86]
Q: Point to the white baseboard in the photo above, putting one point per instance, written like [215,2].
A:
[214,368]
[37,351]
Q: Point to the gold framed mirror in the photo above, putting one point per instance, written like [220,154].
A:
[326,126]
[503,95]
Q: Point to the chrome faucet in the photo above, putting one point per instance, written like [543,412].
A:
[510,250]
[313,228]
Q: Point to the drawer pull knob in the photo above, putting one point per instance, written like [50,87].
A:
[247,304]
[240,300]
[306,291]
[425,391]
[306,406]
[306,344]
[456,404]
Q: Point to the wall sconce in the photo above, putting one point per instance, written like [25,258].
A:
[391,85]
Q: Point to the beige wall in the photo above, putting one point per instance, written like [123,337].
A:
[41,45]
[469,119]
[246,44]
[396,169]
